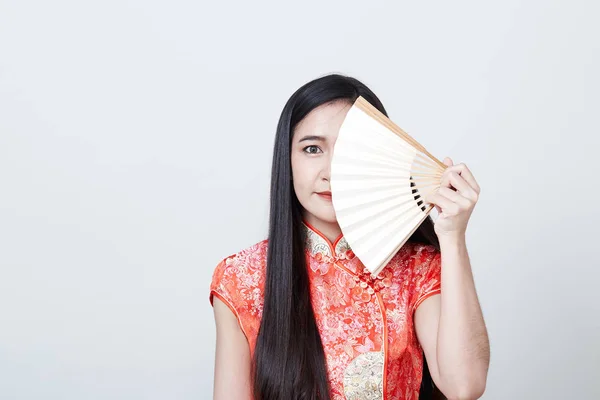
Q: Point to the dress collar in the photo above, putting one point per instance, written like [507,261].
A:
[322,248]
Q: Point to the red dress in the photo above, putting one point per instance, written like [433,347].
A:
[366,324]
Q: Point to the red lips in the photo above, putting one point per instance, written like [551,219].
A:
[325,195]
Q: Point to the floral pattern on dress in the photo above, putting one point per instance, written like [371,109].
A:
[358,316]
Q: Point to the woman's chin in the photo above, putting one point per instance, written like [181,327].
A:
[327,217]
[322,216]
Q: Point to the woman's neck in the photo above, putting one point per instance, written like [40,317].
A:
[331,230]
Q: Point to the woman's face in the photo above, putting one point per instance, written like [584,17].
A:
[312,147]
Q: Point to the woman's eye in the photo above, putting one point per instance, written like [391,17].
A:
[312,149]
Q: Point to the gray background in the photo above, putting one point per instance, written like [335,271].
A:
[135,152]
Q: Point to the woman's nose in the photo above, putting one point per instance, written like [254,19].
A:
[326,174]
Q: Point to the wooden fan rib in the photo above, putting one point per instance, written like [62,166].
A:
[420,169]
[427,161]
[424,191]
[432,180]
[366,107]
[421,163]
[429,192]
[418,174]
[420,188]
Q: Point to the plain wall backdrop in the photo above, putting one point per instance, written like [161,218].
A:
[135,153]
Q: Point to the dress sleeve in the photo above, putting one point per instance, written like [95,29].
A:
[428,275]
[224,286]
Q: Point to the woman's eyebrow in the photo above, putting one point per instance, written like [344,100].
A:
[312,137]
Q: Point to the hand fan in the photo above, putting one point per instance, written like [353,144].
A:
[379,175]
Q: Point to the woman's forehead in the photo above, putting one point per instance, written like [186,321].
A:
[324,121]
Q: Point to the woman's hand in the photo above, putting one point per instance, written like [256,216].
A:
[454,200]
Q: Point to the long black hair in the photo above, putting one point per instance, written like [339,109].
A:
[289,360]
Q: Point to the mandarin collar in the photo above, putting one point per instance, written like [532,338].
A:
[317,244]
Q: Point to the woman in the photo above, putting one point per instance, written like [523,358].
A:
[297,315]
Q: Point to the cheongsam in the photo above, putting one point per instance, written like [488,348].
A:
[366,322]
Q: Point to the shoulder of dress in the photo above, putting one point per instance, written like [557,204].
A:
[239,280]
[253,257]
[258,248]
[411,254]
[422,255]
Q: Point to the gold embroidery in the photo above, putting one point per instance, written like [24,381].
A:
[321,248]
[363,378]
[342,247]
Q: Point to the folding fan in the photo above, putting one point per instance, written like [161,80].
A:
[379,176]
